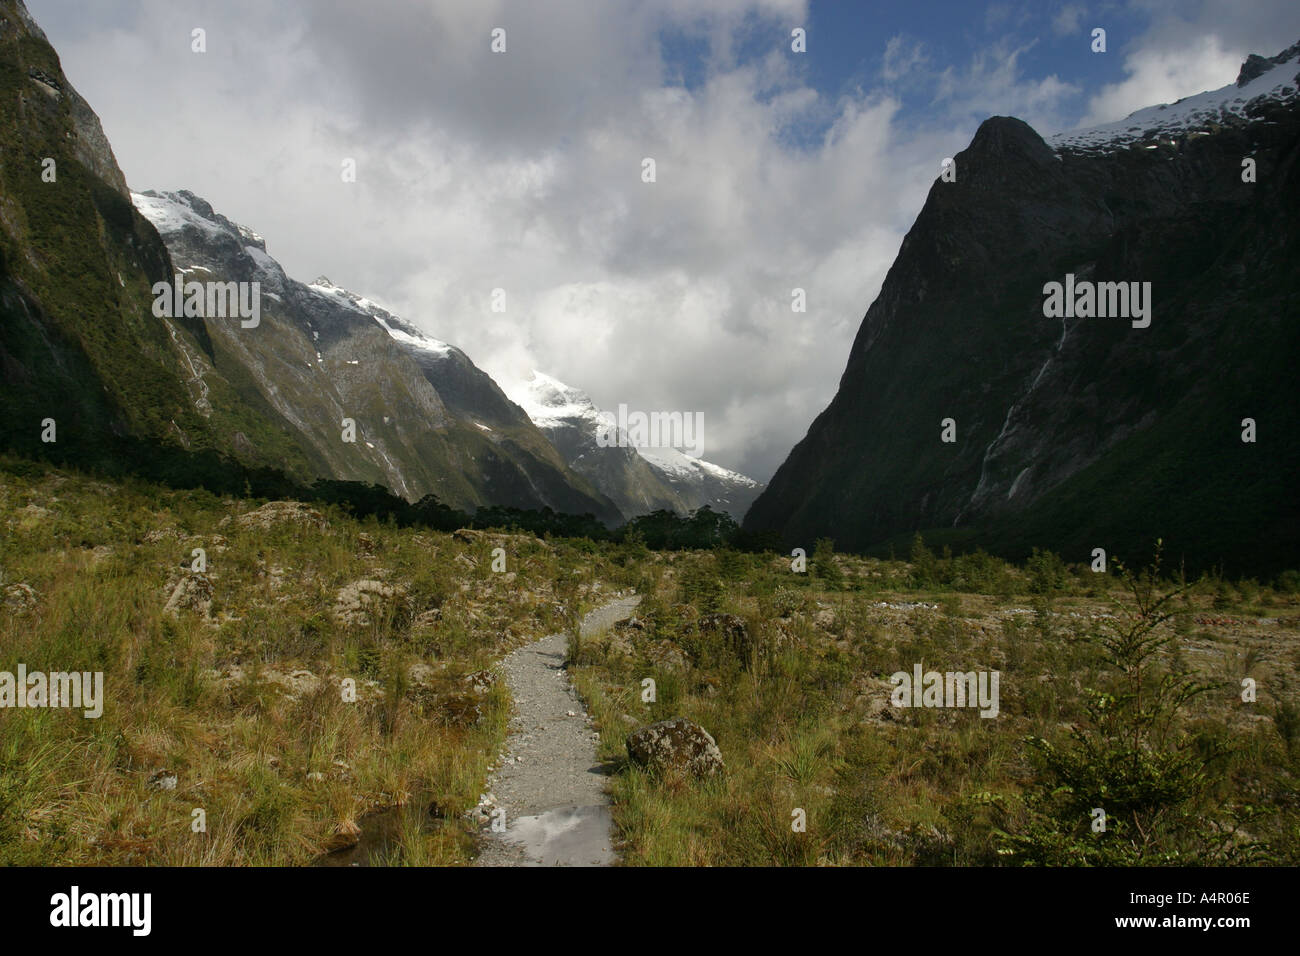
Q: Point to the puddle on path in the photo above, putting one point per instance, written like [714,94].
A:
[565,836]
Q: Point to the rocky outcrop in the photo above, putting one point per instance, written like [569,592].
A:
[675,746]
[358,603]
[278,512]
[1256,66]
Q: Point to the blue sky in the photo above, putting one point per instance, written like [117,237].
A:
[522,170]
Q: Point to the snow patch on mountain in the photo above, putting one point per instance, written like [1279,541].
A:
[415,339]
[401,331]
[681,465]
[170,213]
[560,410]
[1277,80]
[550,403]
[175,212]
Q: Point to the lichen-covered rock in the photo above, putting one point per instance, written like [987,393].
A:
[667,655]
[19,598]
[193,592]
[677,745]
[279,512]
[497,539]
[356,602]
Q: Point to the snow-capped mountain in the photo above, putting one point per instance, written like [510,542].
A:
[1263,82]
[427,420]
[637,479]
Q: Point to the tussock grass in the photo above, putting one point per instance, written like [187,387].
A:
[809,728]
[237,695]
[241,701]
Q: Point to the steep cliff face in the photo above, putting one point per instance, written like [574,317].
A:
[1079,432]
[79,343]
[424,419]
[638,480]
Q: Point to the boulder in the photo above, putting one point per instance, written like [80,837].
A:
[676,745]
[193,592]
[355,602]
[498,540]
[278,512]
[19,598]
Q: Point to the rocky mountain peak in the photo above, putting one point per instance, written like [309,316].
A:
[182,209]
[1073,431]
[1011,137]
[1256,66]
[545,398]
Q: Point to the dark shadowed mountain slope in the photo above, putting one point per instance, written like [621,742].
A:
[1078,433]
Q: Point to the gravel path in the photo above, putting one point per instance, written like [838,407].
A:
[548,783]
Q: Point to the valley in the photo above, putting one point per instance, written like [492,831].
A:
[289,580]
[225,692]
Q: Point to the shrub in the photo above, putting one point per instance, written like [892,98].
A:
[1046,572]
[925,569]
[824,566]
[1130,758]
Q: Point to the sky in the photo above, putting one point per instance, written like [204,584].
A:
[522,170]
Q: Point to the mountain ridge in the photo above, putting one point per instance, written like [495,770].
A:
[638,479]
[427,420]
[1073,433]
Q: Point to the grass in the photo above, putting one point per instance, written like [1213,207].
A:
[242,699]
[808,731]
[238,692]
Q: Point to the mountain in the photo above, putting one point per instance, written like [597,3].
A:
[88,374]
[1080,432]
[94,374]
[638,480]
[426,419]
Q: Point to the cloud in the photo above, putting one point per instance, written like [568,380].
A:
[1163,76]
[901,56]
[993,83]
[1066,21]
[522,171]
